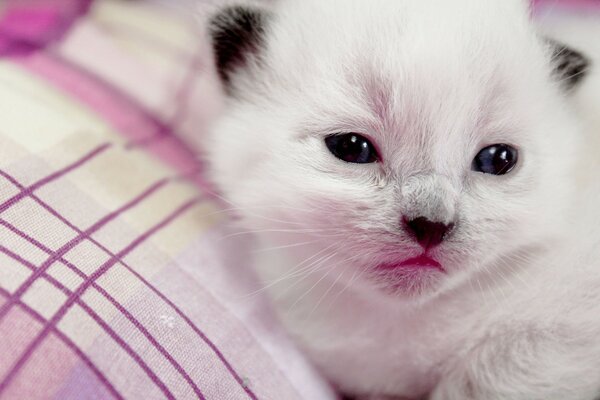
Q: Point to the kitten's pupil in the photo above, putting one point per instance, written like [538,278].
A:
[498,159]
[352,148]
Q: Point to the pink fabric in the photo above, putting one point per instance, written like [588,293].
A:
[115,279]
[27,25]
[569,3]
[141,127]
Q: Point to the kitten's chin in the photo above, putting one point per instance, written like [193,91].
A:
[414,278]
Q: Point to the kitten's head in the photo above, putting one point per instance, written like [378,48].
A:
[408,143]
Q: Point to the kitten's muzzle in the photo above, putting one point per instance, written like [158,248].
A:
[428,205]
[427,233]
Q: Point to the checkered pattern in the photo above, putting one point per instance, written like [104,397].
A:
[48,296]
[46,300]
[114,280]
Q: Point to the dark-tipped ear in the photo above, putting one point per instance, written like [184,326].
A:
[569,65]
[237,33]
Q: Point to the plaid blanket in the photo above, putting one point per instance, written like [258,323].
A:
[117,279]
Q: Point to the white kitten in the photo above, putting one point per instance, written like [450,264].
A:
[407,166]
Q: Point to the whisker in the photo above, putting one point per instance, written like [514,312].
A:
[355,276]
[291,231]
[314,269]
[325,294]
[319,281]
[267,249]
[292,273]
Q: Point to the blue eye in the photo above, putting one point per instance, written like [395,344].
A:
[352,148]
[497,159]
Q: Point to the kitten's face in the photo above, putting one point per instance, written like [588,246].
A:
[422,89]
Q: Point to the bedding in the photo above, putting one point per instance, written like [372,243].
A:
[119,276]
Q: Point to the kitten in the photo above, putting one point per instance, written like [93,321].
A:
[407,167]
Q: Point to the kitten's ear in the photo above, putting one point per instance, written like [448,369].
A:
[237,33]
[569,65]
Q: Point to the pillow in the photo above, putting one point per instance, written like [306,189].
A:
[119,276]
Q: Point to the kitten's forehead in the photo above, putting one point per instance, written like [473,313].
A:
[405,41]
[430,64]
[390,28]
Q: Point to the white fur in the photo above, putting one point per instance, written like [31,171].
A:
[431,82]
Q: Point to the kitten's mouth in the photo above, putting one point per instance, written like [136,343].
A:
[420,262]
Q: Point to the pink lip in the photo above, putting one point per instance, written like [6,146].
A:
[422,261]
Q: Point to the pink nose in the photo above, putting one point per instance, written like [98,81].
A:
[427,233]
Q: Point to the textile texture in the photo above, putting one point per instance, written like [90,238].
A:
[118,277]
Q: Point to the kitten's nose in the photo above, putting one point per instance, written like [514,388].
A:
[427,233]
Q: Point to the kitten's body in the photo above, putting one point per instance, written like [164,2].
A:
[515,313]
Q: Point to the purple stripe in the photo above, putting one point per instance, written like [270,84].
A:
[107,328]
[29,190]
[182,99]
[136,106]
[199,332]
[18,258]
[82,356]
[111,299]
[16,44]
[159,126]
[66,340]
[58,255]
[196,329]
[130,317]
[101,97]
[55,256]
[160,130]
[203,336]
[110,332]
[40,246]
[83,287]
[148,336]
[179,312]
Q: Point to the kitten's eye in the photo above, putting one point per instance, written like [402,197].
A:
[352,148]
[497,159]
